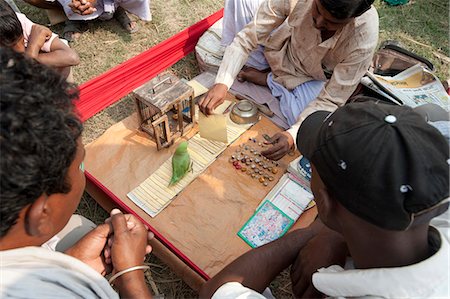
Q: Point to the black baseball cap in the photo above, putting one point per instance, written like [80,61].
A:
[382,162]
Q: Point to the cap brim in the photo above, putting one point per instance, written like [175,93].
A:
[307,135]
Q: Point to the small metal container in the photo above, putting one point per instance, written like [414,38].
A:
[244,112]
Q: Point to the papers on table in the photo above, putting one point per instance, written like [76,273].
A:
[282,206]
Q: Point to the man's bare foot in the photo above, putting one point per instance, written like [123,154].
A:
[253,75]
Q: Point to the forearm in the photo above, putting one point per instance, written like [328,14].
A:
[258,267]
[132,285]
[58,58]
[269,16]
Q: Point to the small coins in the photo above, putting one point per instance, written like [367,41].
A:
[248,159]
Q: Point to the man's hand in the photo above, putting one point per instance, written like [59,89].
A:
[83,7]
[325,249]
[131,224]
[282,143]
[89,249]
[213,98]
[38,36]
[130,243]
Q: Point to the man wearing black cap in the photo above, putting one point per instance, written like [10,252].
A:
[380,175]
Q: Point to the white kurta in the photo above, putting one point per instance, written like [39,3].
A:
[106,9]
[36,272]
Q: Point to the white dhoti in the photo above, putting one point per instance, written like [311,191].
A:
[293,102]
[237,14]
[106,9]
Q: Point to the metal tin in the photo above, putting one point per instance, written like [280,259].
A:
[244,112]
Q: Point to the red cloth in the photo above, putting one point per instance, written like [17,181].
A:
[104,90]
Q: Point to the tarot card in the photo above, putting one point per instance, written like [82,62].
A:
[267,224]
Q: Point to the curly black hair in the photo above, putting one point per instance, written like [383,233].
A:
[39,133]
[343,9]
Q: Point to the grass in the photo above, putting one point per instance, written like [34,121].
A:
[422,26]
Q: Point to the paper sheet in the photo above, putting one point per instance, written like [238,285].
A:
[199,89]
[214,127]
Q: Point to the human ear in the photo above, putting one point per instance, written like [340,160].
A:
[37,219]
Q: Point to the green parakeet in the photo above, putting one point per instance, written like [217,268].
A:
[181,163]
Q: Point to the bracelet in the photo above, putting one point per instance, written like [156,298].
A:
[115,276]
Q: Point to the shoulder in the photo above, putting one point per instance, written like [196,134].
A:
[368,21]
[362,34]
[23,19]
[236,290]
[26,23]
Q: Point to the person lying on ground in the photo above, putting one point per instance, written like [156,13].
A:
[42,181]
[36,41]
[380,177]
[316,52]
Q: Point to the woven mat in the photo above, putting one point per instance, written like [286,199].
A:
[154,194]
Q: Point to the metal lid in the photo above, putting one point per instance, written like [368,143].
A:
[244,112]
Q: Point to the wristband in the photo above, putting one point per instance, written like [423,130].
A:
[120,273]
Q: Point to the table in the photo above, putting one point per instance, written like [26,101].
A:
[197,231]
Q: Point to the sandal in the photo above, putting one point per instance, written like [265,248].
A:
[124,20]
[72,27]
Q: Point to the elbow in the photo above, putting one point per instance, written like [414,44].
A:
[74,59]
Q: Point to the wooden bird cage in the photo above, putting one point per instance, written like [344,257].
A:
[165,107]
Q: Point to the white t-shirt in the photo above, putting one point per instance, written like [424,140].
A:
[27,24]
[427,279]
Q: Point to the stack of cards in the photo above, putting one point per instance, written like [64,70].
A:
[279,210]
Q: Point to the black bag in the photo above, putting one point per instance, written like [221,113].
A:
[392,59]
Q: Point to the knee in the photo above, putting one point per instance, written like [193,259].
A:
[43,3]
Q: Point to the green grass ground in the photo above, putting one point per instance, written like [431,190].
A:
[422,26]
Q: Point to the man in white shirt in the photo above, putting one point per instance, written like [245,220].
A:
[41,183]
[317,51]
[380,174]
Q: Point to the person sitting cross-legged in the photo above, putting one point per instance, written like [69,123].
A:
[41,184]
[380,179]
[311,54]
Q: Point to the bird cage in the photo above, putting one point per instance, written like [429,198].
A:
[165,108]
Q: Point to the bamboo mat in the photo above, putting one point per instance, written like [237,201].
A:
[154,194]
